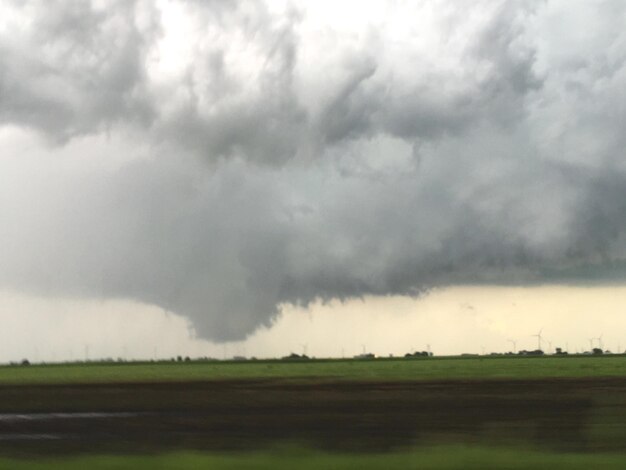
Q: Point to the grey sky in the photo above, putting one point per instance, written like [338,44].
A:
[220,159]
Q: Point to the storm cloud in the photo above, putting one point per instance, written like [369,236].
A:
[220,159]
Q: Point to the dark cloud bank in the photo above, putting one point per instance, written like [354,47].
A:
[284,160]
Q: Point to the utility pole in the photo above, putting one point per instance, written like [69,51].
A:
[538,335]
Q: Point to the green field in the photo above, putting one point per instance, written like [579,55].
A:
[443,458]
[438,412]
[436,368]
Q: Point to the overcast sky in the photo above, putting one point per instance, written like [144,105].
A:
[181,172]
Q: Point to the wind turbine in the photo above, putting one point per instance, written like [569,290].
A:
[591,343]
[304,348]
[538,335]
[514,345]
[600,344]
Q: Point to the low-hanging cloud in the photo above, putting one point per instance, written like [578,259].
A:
[219,159]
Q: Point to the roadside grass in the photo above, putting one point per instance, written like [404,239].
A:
[434,368]
[440,458]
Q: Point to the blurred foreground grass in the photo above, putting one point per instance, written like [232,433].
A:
[435,368]
[445,457]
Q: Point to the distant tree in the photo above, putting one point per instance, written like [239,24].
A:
[25,362]
[295,357]
[536,352]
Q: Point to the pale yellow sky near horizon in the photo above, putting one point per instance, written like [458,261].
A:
[452,321]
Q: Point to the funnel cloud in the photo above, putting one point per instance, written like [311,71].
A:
[221,159]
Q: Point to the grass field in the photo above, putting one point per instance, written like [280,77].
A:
[435,368]
[442,458]
[441,413]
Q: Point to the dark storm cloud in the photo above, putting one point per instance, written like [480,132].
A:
[70,67]
[272,159]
